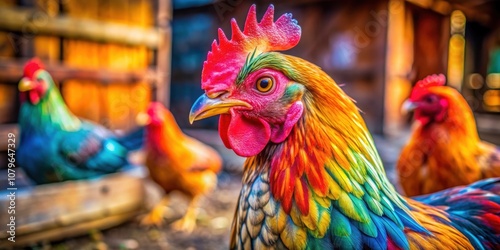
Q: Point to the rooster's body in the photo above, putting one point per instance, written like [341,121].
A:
[177,162]
[445,149]
[55,145]
[313,179]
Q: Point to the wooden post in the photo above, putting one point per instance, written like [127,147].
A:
[164,53]
[12,70]
[398,66]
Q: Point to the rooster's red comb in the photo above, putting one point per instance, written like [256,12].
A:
[228,56]
[32,66]
[423,85]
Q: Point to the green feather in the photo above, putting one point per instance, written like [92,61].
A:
[292,91]
[341,241]
[394,218]
[271,60]
[352,207]
[356,173]
[372,190]
[340,225]
[367,228]
[361,164]
[340,177]
[373,205]
[357,189]
[386,203]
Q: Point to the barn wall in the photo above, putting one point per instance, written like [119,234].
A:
[112,103]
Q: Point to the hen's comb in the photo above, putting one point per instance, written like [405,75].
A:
[32,66]
[422,86]
[228,56]
[154,107]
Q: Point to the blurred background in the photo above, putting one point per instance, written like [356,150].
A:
[110,58]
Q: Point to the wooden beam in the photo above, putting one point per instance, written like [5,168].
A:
[480,11]
[64,232]
[82,205]
[32,22]
[12,70]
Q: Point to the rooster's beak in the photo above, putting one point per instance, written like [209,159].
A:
[206,107]
[408,106]
[25,85]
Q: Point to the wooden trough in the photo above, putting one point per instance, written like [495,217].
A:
[61,210]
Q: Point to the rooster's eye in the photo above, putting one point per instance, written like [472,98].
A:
[265,84]
[430,99]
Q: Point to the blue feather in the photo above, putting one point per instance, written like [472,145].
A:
[397,236]
[409,222]
[379,242]
[466,207]
[353,241]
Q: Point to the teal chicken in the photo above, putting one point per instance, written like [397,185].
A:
[55,145]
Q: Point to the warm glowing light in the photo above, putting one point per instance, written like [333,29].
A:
[456,61]
[492,97]
[457,22]
[493,80]
[476,81]
[456,49]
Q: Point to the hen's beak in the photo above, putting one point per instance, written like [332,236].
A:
[408,106]
[142,119]
[206,107]
[25,85]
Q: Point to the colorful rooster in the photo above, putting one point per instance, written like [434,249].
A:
[444,150]
[177,163]
[54,144]
[313,179]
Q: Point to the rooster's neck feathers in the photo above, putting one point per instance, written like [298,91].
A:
[329,156]
[50,112]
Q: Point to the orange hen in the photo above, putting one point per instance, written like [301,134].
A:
[444,150]
[177,162]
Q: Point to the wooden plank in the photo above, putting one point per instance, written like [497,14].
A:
[64,204]
[32,22]
[68,231]
[12,70]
